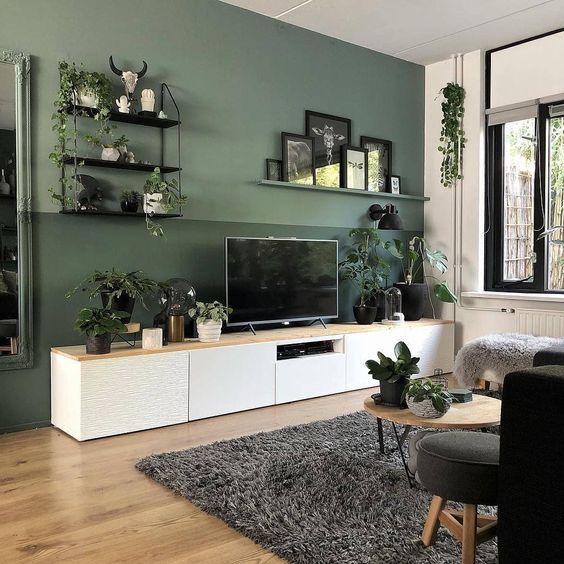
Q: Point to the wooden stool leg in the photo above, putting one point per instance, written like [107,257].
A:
[432,524]
[469,524]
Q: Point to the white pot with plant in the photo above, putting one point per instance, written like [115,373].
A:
[114,150]
[209,320]
[427,399]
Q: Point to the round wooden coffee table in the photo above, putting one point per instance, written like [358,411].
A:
[480,413]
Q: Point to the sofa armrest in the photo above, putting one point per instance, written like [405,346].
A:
[550,355]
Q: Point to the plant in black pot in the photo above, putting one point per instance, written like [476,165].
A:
[413,257]
[119,291]
[366,270]
[393,374]
[99,324]
[130,201]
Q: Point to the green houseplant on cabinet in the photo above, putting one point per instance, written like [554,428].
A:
[366,270]
[413,257]
[209,319]
[118,290]
[99,324]
[393,374]
[426,398]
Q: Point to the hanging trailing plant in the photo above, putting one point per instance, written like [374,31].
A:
[452,135]
[75,80]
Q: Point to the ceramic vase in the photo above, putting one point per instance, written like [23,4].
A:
[87,99]
[153,203]
[209,331]
[110,154]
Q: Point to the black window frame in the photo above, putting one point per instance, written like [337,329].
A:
[494,244]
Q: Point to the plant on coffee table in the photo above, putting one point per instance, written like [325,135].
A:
[393,374]
[425,398]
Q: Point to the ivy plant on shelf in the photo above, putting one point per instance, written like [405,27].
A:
[76,85]
[452,134]
[161,196]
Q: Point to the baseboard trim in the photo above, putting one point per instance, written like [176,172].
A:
[25,426]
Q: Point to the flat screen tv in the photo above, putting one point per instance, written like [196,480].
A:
[280,280]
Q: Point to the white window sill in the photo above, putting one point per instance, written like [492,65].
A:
[520,296]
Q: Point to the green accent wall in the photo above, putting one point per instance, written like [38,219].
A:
[239,79]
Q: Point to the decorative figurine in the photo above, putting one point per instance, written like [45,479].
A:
[90,191]
[148,102]
[162,115]
[129,78]
[123,105]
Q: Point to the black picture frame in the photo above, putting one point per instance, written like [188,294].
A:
[327,158]
[274,169]
[295,167]
[382,146]
[395,188]
[350,174]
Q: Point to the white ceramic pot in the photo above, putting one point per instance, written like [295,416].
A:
[425,408]
[110,154]
[87,99]
[209,331]
[153,203]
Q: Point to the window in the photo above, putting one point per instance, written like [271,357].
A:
[525,199]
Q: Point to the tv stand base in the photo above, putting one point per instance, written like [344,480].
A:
[249,327]
[320,321]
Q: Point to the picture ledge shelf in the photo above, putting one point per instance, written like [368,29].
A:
[318,188]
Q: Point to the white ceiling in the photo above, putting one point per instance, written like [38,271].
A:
[422,31]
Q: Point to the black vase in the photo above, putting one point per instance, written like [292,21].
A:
[100,344]
[123,303]
[365,315]
[391,393]
[413,298]
[129,206]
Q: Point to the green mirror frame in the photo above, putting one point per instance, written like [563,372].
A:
[24,356]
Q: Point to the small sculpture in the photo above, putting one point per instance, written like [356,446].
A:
[148,100]
[162,115]
[90,192]
[129,78]
[123,105]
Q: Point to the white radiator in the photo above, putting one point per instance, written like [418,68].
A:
[540,323]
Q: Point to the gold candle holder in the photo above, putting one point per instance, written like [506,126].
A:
[176,329]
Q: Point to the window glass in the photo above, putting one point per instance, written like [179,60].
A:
[556,205]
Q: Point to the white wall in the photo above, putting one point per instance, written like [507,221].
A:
[474,316]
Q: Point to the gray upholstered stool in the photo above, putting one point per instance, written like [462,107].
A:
[463,467]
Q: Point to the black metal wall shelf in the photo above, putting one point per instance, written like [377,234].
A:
[122,214]
[318,188]
[7,197]
[135,119]
[124,166]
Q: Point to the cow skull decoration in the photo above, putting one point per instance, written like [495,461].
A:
[329,137]
[129,78]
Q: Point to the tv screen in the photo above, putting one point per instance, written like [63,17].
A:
[274,280]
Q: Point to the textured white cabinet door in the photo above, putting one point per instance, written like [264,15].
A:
[434,344]
[121,395]
[360,347]
[229,379]
[310,377]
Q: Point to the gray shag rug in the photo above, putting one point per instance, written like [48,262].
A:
[494,356]
[315,493]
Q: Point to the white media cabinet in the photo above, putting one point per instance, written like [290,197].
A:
[131,389]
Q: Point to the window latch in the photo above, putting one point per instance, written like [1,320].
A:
[534,258]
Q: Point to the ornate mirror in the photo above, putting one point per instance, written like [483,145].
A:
[15,213]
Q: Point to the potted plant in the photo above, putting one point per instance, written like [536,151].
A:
[113,150]
[393,375]
[99,324]
[209,318]
[413,257]
[367,270]
[426,398]
[130,201]
[161,196]
[118,290]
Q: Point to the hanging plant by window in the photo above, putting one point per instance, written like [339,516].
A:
[452,135]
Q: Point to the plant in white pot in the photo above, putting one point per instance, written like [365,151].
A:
[426,398]
[209,319]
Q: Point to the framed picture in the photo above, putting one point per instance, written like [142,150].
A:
[395,184]
[330,133]
[297,159]
[273,169]
[379,163]
[354,167]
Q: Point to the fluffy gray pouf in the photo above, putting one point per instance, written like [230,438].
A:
[315,493]
[494,356]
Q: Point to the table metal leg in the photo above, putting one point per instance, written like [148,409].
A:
[400,448]
[380,435]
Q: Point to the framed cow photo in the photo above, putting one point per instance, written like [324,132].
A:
[297,159]
[379,163]
[330,133]
[354,167]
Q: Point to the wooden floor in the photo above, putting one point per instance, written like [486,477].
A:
[65,501]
